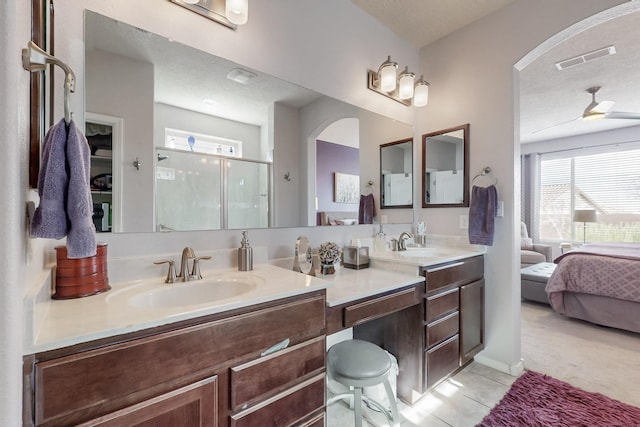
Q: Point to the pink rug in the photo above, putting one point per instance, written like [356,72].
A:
[539,400]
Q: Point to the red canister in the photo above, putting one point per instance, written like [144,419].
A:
[82,277]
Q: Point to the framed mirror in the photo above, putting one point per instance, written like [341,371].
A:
[445,168]
[396,174]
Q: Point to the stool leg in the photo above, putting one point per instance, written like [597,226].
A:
[357,403]
[392,402]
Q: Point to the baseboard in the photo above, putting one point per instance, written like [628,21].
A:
[513,370]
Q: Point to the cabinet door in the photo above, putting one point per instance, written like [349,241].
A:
[471,320]
[194,405]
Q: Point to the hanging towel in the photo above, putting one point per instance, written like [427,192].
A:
[482,213]
[367,209]
[81,239]
[65,207]
[50,218]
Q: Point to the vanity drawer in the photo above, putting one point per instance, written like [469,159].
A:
[119,375]
[271,373]
[454,274]
[441,360]
[378,307]
[442,329]
[286,408]
[441,304]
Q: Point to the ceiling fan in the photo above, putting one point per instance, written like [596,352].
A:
[596,111]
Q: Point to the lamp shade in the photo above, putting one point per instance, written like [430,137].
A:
[237,11]
[406,84]
[585,215]
[387,75]
[421,93]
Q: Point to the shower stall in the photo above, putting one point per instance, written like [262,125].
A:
[199,191]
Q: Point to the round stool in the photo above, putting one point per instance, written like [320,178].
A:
[357,364]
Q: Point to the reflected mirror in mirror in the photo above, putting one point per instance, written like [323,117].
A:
[445,168]
[188,107]
[396,174]
[303,258]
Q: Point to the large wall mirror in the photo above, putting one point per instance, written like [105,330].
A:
[199,142]
[396,174]
[445,168]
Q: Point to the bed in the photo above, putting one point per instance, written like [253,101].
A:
[338,218]
[599,283]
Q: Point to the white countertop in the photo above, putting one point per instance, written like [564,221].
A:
[73,321]
[412,259]
[350,285]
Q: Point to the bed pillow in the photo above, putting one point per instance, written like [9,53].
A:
[526,243]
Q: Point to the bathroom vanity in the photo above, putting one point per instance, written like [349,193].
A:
[235,365]
[142,354]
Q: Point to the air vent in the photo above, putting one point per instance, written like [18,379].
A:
[586,57]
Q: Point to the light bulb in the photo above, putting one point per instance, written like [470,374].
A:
[237,11]
[387,75]
[421,93]
[406,84]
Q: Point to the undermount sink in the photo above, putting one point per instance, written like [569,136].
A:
[208,290]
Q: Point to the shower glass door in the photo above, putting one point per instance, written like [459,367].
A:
[188,191]
[196,191]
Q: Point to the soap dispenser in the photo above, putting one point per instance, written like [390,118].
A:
[380,241]
[245,254]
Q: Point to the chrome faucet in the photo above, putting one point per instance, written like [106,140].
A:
[402,240]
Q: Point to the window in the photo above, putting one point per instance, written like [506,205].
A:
[595,178]
[200,143]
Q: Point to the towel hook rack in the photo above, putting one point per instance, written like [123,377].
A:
[485,171]
[35,59]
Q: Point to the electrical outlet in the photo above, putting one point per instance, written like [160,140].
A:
[500,210]
[464,222]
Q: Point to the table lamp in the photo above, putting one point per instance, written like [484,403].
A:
[584,216]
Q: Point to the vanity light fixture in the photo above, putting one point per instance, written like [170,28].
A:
[401,88]
[229,13]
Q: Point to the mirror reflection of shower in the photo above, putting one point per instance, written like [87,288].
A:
[201,191]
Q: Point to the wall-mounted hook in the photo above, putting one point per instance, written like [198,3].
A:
[370,182]
[287,177]
[137,164]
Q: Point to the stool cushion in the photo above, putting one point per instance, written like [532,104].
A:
[358,359]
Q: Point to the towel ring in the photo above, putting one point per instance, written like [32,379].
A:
[485,172]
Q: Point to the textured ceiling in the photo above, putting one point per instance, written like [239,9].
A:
[424,21]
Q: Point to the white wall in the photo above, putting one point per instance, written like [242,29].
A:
[472,81]
[121,87]
[285,122]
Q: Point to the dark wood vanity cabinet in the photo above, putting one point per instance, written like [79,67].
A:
[220,370]
[454,317]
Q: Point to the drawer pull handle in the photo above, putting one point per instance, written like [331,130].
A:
[279,346]
[444,267]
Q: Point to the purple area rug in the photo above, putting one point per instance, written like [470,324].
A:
[539,400]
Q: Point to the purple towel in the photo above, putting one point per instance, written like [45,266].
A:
[81,239]
[50,218]
[65,207]
[367,209]
[482,213]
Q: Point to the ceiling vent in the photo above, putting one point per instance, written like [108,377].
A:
[586,57]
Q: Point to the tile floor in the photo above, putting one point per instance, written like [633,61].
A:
[591,357]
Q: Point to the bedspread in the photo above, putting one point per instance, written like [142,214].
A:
[611,270]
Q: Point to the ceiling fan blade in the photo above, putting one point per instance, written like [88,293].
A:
[603,106]
[555,125]
[622,115]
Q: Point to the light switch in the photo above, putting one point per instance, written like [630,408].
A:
[464,222]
